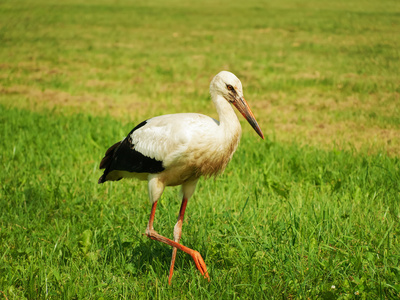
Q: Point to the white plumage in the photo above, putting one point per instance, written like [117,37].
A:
[177,149]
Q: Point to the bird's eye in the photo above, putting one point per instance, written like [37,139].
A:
[229,87]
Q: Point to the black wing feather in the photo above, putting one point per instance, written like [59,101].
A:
[122,156]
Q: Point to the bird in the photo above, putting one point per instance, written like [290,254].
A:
[177,149]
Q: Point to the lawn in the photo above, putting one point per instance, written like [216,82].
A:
[312,212]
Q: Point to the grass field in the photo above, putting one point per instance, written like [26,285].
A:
[311,212]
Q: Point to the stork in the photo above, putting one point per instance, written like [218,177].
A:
[178,149]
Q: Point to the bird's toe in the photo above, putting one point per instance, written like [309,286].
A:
[200,264]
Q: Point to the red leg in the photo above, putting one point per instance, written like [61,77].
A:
[151,233]
[177,236]
[152,214]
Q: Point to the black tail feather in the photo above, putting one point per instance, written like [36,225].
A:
[106,161]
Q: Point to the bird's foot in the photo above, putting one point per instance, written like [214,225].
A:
[198,260]
[200,264]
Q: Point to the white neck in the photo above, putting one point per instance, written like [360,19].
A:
[228,120]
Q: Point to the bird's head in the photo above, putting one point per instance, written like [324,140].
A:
[227,85]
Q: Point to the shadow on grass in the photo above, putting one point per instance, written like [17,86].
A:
[144,256]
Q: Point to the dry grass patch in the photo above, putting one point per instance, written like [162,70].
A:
[320,73]
[308,120]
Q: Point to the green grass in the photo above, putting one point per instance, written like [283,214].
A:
[315,205]
[281,222]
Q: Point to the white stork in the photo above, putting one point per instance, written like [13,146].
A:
[178,149]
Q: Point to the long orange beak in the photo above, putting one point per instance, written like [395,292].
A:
[244,108]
